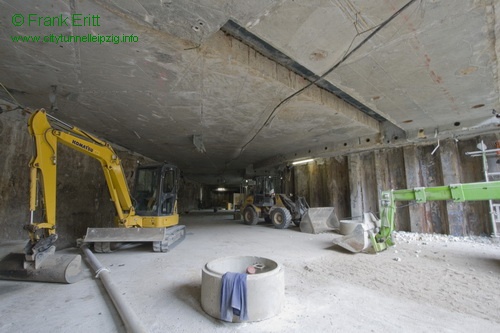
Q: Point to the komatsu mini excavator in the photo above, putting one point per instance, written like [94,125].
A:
[152,217]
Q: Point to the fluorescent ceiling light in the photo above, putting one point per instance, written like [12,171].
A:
[303,161]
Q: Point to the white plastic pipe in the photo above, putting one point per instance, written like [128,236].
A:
[132,322]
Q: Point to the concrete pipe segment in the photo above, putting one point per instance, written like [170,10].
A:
[265,287]
[347,226]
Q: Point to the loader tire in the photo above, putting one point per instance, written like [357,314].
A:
[281,218]
[250,216]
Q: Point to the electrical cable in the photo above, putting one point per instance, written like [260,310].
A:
[8,92]
[344,58]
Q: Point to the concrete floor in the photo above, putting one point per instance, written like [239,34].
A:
[327,289]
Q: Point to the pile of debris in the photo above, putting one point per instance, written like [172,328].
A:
[412,237]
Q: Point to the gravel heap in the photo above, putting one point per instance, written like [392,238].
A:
[412,237]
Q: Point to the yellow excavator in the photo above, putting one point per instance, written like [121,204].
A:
[149,215]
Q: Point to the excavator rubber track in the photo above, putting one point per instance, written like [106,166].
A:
[163,239]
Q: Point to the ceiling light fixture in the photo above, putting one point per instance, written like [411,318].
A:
[303,161]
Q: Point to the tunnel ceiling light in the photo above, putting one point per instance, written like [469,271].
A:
[303,161]
[221,189]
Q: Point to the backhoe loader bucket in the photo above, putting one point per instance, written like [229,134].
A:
[318,220]
[58,268]
[359,239]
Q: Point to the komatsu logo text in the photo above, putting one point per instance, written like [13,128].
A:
[81,145]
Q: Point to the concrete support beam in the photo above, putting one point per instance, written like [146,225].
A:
[236,51]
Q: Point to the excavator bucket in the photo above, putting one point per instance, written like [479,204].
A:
[358,239]
[54,267]
[318,220]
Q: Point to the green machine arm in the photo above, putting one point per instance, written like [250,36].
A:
[455,192]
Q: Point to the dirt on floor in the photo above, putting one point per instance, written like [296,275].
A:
[426,283]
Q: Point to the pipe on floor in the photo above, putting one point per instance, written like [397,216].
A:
[132,322]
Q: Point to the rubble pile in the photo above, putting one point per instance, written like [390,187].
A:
[412,237]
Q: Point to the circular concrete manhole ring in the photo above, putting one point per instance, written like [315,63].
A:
[265,288]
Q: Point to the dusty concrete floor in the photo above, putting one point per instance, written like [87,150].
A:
[418,286]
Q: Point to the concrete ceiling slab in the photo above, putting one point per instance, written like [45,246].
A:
[433,66]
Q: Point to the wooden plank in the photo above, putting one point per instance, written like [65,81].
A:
[456,219]
[413,179]
[355,185]
[369,183]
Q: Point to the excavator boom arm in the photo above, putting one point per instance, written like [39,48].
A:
[44,162]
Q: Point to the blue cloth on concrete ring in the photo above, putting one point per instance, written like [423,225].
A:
[233,300]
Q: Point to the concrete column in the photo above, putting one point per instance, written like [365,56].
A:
[448,153]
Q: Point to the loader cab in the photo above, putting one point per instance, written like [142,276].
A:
[265,189]
[155,190]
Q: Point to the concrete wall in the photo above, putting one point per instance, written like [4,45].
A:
[189,195]
[352,184]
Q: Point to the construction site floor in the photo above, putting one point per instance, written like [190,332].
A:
[425,284]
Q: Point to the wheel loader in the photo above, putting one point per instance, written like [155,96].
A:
[149,215]
[266,202]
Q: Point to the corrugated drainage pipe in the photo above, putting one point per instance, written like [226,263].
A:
[130,319]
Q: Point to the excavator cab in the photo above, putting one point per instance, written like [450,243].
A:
[155,190]
[155,217]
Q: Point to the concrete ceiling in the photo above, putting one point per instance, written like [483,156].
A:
[221,71]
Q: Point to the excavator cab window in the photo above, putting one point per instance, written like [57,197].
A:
[169,178]
[145,189]
[156,190]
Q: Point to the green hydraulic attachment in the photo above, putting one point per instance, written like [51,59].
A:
[456,192]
